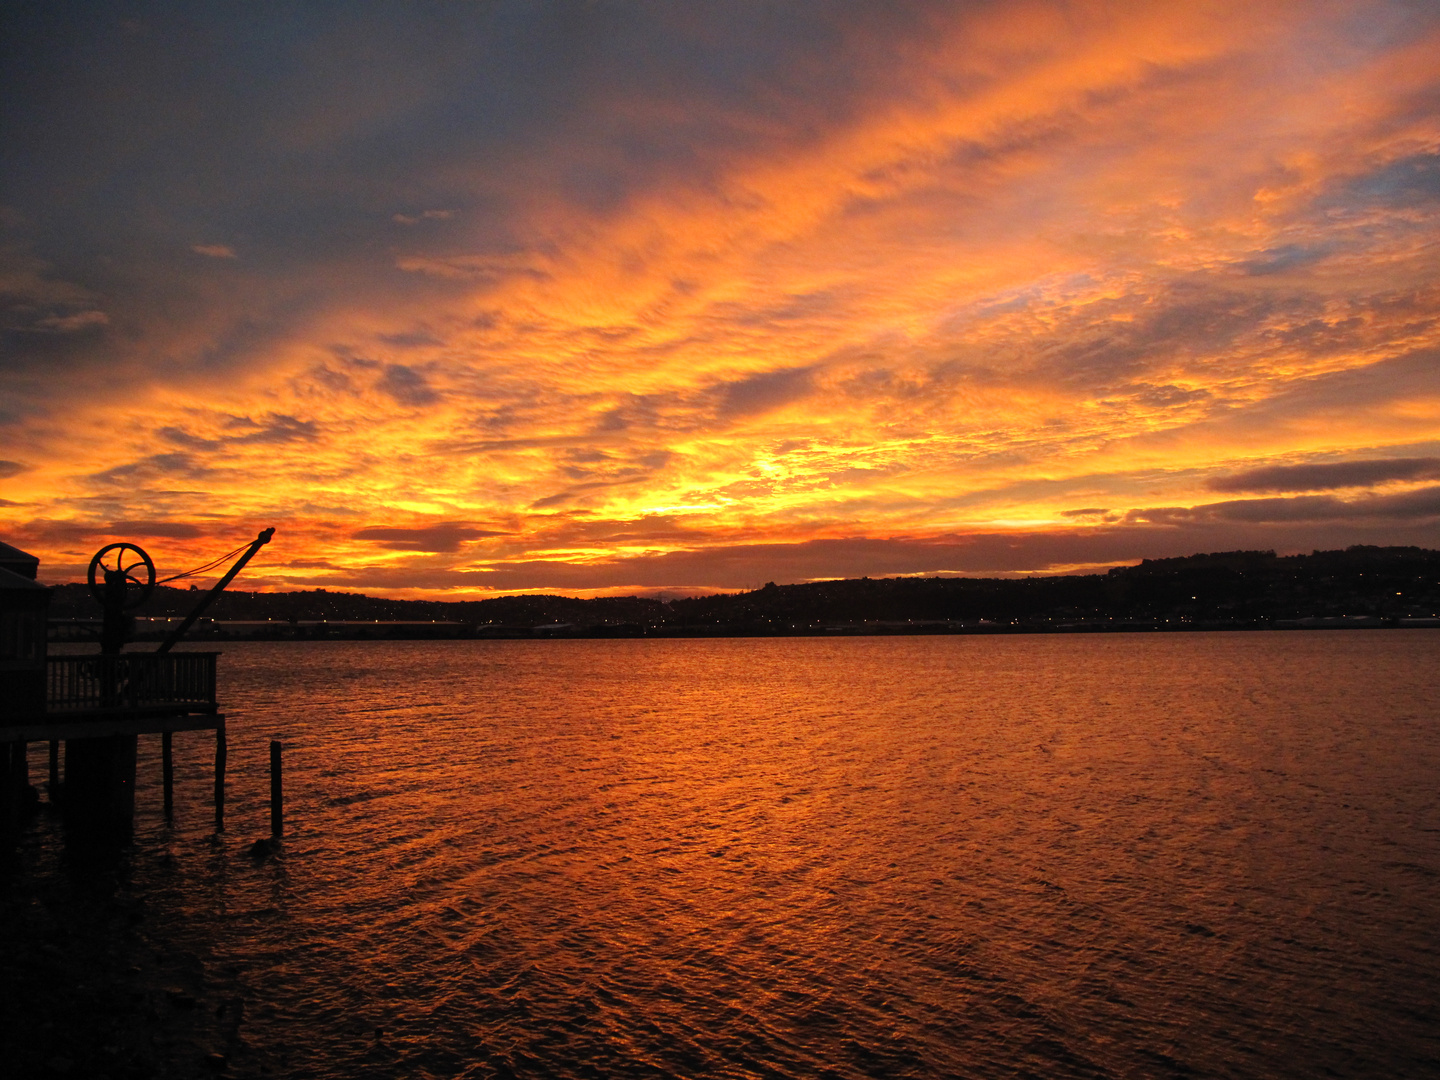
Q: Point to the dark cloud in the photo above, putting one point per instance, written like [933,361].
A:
[761,393]
[279,428]
[1380,389]
[1322,477]
[1277,260]
[445,537]
[560,498]
[74,323]
[746,566]
[596,471]
[274,429]
[181,437]
[1420,504]
[302,136]
[415,339]
[586,454]
[1169,395]
[173,530]
[1410,180]
[337,382]
[406,385]
[1112,345]
[155,467]
[46,530]
[1410,376]
[11,468]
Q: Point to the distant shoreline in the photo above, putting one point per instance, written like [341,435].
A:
[80,631]
[1360,587]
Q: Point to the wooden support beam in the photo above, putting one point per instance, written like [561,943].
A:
[220,755]
[54,788]
[100,782]
[18,783]
[277,802]
[101,725]
[124,752]
[9,797]
[167,773]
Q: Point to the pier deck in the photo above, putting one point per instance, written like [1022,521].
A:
[97,706]
[89,696]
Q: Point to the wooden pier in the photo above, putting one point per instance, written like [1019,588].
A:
[97,707]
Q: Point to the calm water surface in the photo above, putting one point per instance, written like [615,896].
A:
[1119,855]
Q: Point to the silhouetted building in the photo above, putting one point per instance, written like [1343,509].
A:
[24,608]
[94,705]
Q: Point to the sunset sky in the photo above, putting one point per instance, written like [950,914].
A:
[618,296]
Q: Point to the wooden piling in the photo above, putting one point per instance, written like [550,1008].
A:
[167,774]
[220,754]
[14,782]
[54,788]
[20,778]
[9,796]
[124,753]
[277,804]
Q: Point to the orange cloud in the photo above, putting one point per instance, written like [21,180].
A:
[1039,257]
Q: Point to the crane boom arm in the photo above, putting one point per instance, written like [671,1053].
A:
[205,601]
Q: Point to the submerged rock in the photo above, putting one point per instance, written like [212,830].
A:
[263,849]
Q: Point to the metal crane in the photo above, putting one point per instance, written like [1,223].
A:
[124,585]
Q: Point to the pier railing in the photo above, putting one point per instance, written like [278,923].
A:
[131,682]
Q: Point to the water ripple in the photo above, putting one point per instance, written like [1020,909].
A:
[1125,855]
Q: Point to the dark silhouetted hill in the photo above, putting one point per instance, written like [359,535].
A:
[1234,588]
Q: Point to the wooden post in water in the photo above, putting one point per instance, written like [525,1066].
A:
[123,752]
[277,803]
[220,752]
[9,796]
[54,770]
[167,774]
[19,780]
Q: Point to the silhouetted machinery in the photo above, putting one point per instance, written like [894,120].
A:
[97,706]
[122,577]
[114,583]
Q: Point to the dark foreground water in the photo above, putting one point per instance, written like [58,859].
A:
[1119,855]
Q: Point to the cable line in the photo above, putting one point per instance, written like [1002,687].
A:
[211,565]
